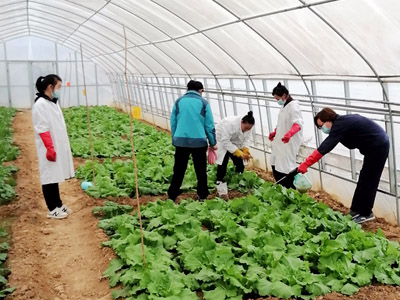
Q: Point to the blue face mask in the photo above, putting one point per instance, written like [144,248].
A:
[56,94]
[325,129]
[281,102]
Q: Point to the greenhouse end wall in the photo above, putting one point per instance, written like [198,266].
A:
[24,59]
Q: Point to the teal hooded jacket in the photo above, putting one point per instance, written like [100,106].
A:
[192,122]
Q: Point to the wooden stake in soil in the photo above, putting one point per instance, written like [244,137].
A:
[69,89]
[87,114]
[133,149]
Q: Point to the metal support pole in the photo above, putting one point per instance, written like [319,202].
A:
[151,104]
[222,113]
[251,108]
[77,80]
[352,152]
[31,84]
[56,50]
[318,135]
[167,102]
[8,76]
[267,107]
[392,152]
[232,84]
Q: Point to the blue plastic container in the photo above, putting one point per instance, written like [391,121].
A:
[85,185]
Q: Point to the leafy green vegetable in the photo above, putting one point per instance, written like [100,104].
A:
[154,157]
[4,272]
[8,152]
[276,242]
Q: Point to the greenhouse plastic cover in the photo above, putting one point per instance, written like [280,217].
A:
[293,38]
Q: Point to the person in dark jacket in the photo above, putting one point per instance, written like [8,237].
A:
[354,131]
[192,123]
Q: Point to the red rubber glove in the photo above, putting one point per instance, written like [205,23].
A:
[272,135]
[292,131]
[312,159]
[48,143]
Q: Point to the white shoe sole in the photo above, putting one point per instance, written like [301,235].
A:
[365,220]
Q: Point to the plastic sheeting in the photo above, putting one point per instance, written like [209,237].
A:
[296,38]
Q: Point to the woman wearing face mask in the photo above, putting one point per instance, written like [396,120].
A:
[233,138]
[287,136]
[52,144]
[354,131]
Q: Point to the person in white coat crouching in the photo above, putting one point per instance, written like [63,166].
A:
[287,136]
[233,138]
[52,144]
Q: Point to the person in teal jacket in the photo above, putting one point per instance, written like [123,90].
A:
[192,124]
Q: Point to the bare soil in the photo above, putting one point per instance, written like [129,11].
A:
[63,259]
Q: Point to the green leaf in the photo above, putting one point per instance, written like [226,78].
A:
[264,287]
[317,289]
[217,294]
[111,271]
[207,275]
[282,290]
[349,289]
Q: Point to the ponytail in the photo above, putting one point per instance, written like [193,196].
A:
[249,119]
[43,82]
[279,90]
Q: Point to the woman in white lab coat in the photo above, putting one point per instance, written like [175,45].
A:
[233,138]
[52,144]
[287,136]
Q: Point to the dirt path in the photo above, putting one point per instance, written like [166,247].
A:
[52,259]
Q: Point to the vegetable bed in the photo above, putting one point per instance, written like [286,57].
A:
[276,242]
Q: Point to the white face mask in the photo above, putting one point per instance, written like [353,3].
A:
[325,129]
[56,94]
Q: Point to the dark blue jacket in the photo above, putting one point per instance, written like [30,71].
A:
[354,131]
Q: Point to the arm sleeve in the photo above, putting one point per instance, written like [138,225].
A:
[209,126]
[173,120]
[328,144]
[40,122]
[296,115]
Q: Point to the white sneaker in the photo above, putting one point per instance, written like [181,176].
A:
[57,214]
[66,209]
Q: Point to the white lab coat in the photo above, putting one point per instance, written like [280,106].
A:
[47,116]
[230,137]
[283,156]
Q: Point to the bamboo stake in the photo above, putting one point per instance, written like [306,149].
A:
[69,89]
[133,149]
[87,114]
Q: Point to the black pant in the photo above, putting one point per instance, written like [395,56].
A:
[51,195]
[287,182]
[221,169]
[200,166]
[368,181]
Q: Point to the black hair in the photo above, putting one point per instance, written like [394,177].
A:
[279,90]
[43,82]
[194,85]
[249,119]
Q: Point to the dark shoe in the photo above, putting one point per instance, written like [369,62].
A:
[362,219]
[201,199]
[353,214]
